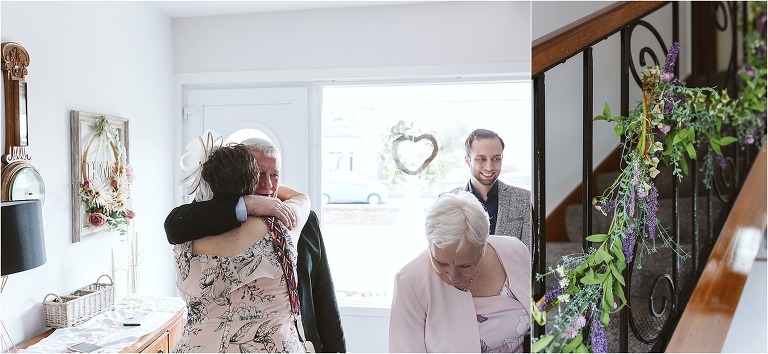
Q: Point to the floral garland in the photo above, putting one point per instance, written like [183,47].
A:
[668,124]
[109,202]
[749,116]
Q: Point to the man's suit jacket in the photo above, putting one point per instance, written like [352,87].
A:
[319,310]
[514,214]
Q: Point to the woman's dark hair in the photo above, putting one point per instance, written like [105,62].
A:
[231,170]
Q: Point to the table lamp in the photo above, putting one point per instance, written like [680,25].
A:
[23,245]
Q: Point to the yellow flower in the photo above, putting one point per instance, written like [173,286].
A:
[652,161]
[656,146]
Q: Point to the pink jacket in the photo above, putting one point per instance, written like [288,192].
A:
[429,315]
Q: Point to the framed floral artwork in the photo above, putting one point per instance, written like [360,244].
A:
[101,175]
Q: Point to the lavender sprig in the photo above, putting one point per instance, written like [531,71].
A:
[597,334]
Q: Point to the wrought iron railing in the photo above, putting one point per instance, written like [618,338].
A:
[624,19]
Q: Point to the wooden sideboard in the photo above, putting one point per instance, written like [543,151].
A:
[161,340]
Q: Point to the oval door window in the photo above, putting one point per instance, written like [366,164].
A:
[244,134]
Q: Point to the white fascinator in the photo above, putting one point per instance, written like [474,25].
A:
[192,162]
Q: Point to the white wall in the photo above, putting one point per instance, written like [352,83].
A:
[426,34]
[564,88]
[105,57]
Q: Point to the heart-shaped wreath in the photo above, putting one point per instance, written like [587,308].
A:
[398,165]
[410,138]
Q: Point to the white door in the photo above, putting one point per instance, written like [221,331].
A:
[280,114]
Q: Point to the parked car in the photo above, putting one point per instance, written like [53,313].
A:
[343,188]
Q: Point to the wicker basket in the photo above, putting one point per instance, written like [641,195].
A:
[79,306]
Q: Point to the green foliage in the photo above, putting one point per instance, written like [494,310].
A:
[669,124]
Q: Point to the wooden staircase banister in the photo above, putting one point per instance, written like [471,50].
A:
[705,321]
[569,40]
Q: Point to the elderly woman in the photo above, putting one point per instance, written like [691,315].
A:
[468,292]
[240,286]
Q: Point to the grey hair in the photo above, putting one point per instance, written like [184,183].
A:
[457,218]
[264,146]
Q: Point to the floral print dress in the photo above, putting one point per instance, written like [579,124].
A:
[237,304]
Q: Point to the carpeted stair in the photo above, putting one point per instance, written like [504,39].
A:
[647,267]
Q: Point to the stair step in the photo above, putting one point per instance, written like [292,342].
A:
[652,264]
[663,183]
[600,222]
[641,287]
[665,179]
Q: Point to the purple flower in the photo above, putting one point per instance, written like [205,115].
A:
[597,336]
[667,76]
[609,206]
[653,208]
[628,246]
[669,62]
[749,139]
[551,296]
[634,182]
[669,106]
[570,332]
[657,132]
[750,71]
[665,129]
[641,193]
[578,322]
[720,161]
[759,119]
[631,205]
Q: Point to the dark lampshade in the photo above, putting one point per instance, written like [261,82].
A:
[23,246]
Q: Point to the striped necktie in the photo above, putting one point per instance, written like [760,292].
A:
[280,243]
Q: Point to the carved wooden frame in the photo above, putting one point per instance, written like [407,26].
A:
[15,60]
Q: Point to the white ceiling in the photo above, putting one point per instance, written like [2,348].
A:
[177,9]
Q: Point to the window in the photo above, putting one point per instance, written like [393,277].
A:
[372,219]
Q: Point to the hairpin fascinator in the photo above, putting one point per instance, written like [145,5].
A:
[192,162]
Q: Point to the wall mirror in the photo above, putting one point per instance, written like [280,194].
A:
[20,180]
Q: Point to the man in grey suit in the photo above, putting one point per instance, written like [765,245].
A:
[509,207]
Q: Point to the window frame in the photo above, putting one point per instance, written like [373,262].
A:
[316,104]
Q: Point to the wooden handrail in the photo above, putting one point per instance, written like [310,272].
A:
[708,316]
[563,43]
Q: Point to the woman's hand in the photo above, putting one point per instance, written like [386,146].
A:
[258,205]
